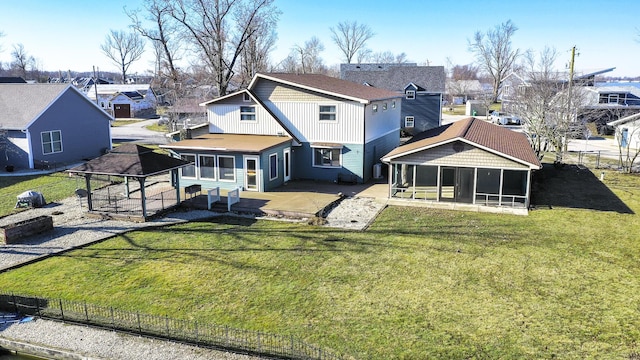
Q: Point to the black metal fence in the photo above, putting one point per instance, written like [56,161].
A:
[193,332]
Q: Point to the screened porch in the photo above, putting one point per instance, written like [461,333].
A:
[466,185]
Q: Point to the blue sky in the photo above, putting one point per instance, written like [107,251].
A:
[67,34]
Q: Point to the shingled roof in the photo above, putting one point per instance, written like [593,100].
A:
[395,77]
[130,160]
[20,104]
[477,132]
[329,86]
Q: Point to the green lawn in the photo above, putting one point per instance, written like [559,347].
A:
[563,282]
[54,187]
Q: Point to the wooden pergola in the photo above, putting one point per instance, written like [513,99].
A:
[131,161]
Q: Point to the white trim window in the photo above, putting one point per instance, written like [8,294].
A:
[273,166]
[207,167]
[51,142]
[246,97]
[393,104]
[189,171]
[409,121]
[226,168]
[247,113]
[328,113]
[410,94]
[375,107]
[327,157]
[384,107]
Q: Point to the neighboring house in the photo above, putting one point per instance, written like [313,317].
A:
[628,131]
[125,100]
[514,86]
[459,91]
[422,87]
[468,164]
[606,104]
[50,125]
[12,80]
[289,126]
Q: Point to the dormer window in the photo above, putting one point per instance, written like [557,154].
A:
[410,94]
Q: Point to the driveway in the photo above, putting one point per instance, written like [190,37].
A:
[137,133]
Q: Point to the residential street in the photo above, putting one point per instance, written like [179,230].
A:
[136,132]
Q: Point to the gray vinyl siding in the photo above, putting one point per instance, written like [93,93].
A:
[376,149]
[85,130]
[269,184]
[468,156]
[16,150]
[426,110]
[302,163]
[266,183]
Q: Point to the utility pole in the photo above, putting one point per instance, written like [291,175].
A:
[569,117]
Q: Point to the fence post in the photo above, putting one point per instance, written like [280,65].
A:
[38,306]
[259,347]
[113,320]
[292,345]
[15,306]
[139,327]
[166,320]
[162,200]
[61,309]
[226,335]
[86,313]
[196,330]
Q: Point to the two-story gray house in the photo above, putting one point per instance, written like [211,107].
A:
[422,88]
[292,126]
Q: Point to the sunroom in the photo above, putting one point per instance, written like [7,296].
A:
[470,164]
[230,161]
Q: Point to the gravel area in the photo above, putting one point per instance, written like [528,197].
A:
[354,213]
[94,343]
[72,227]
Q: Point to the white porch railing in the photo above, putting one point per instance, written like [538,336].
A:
[213,196]
[233,197]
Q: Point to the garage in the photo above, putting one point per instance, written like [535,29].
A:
[122,110]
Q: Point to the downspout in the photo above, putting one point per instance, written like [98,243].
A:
[364,141]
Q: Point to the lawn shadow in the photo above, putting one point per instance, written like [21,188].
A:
[573,186]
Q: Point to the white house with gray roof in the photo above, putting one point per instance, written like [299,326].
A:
[125,100]
[50,125]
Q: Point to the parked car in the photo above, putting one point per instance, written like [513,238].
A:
[496,115]
[502,118]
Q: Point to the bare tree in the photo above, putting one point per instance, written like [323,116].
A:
[22,61]
[219,30]
[628,147]
[163,36]
[254,57]
[123,49]
[495,54]
[309,55]
[387,57]
[546,107]
[351,38]
[464,72]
